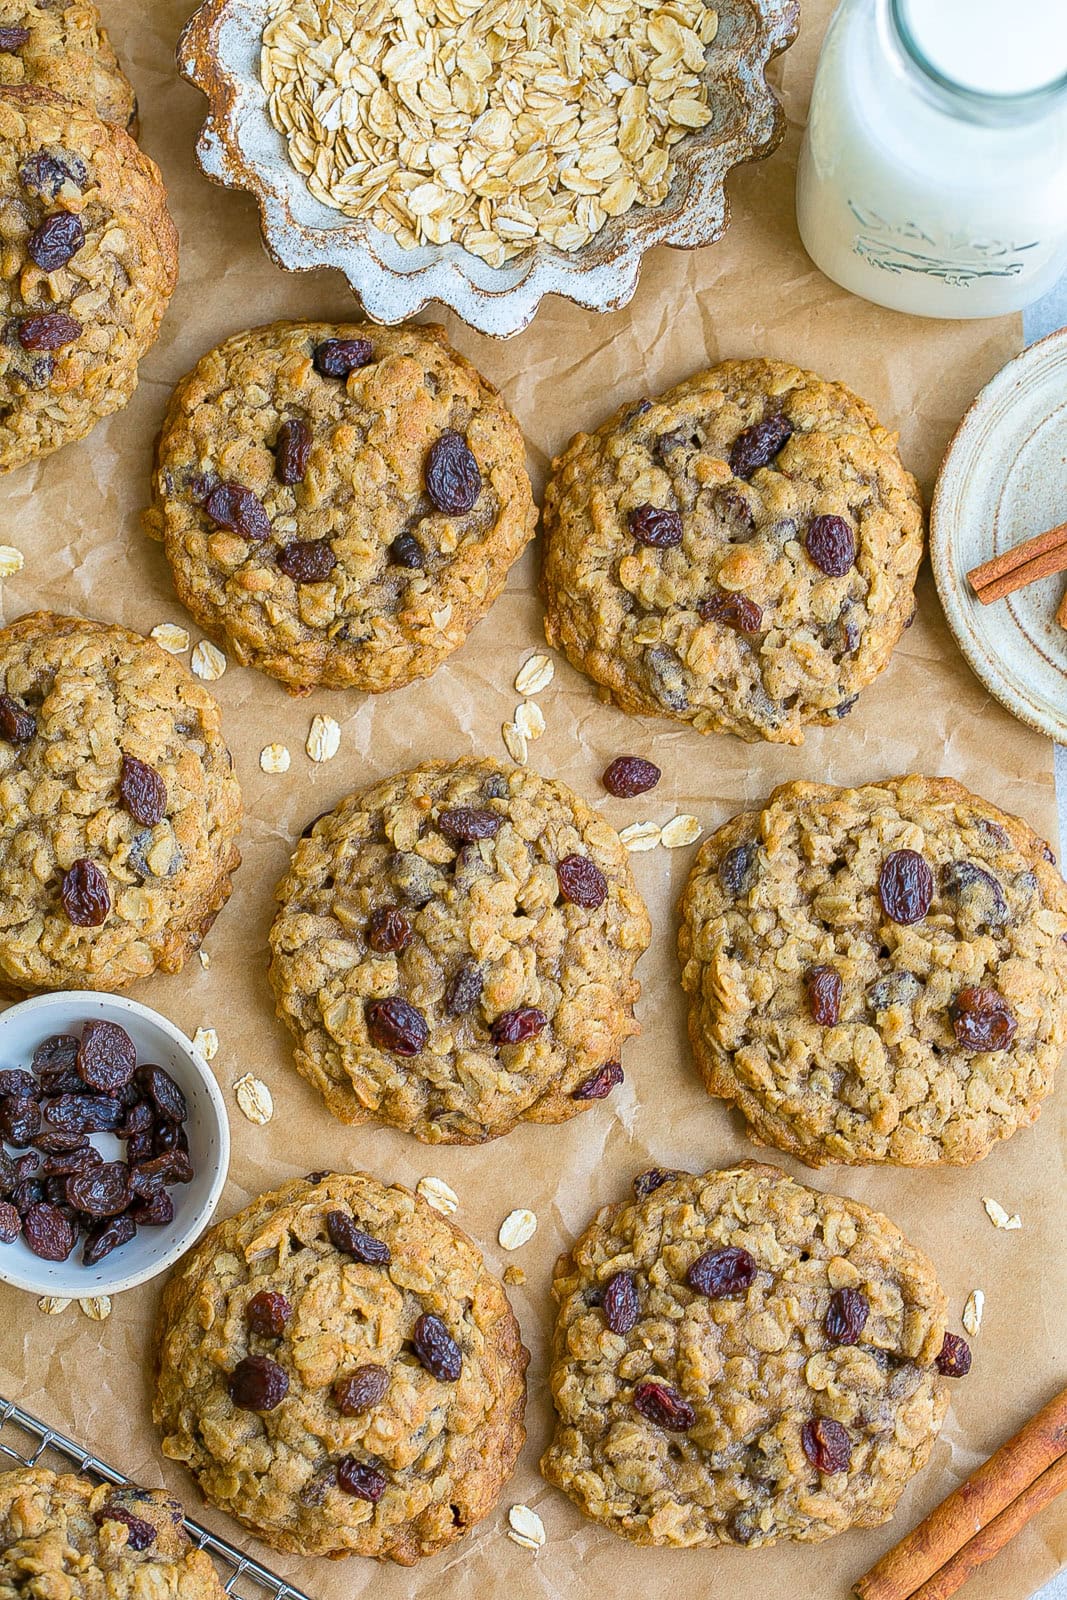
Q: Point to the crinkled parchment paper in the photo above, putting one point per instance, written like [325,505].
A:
[76,518]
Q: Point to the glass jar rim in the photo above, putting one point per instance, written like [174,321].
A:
[990,98]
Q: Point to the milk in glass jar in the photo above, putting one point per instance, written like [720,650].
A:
[933,173]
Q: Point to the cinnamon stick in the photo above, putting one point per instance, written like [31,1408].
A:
[1054,560]
[996,1534]
[990,1490]
[1061,611]
[1042,545]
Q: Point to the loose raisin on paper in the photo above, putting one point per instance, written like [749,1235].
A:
[905,887]
[307,560]
[846,1316]
[232,506]
[826,1445]
[582,882]
[628,776]
[436,1348]
[664,1406]
[107,1057]
[465,989]
[17,726]
[107,1236]
[954,1358]
[656,526]
[825,991]
[453,481]
[360,1391]
[831,545]
[85,894]
[388,931]
[734,611]
[142,792]
[515,1027]
[292,451]
[468,824]
[396,1026]
[56,240]
[258,1384]
[336,358]
[47,1232]
[267,1313]
[620,1302]
[140,1535]
[982,1019]
[358,1479]
[345,1235]
[600,1083]
[722,1274]
[758,445]
[51,330]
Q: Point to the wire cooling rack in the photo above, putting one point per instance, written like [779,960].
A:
[25,1441]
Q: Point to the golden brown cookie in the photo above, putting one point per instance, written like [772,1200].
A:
[341,1373]
[739,553]
[740,1359]
[340,504]
[119,809]
[63,1536]
[62,45]
[877,974]
[455,950]
[88,265]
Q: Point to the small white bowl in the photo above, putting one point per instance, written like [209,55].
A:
[153,1249]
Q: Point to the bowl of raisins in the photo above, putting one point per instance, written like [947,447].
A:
[114,1144]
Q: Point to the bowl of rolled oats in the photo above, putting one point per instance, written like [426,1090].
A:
[485,153]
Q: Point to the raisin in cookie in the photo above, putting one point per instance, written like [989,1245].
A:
[740,553]
[66,1537]
[119,809]
[62,45]
[341,1373]
[877,974]
[88,262]
[454,953]
[740,1359]
[340,505]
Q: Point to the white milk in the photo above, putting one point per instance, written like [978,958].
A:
[933,174]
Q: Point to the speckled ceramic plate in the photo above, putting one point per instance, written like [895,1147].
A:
[1004,479]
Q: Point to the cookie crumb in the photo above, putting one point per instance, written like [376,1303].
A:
[514,1277]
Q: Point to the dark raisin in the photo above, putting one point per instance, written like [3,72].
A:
[757,446]
[10,1223]
[47,1232]
[831,544]
[600,1083]
[140,1535]
[649,1181]
[515,1027]
[56,240]
[664,1406]
[336,358]
[20,1083]
[344,1235]
[107,1236]
[83,1113]
[453,481]
[164,1093]
[258,1384]
[905,887]
[361,1391]
[722,1274]
[17,726]
[50,330]
[396,1026]
[978,895]
[620,1302]
[656,526]
[292,451]
[20,1119]
[359,1479]
[26,1194]
[954,1360]
[846,1316]
[267,1313]
[405,551]
[101,1191]
[138,1119]
[735,868]
[308,560]
[155,1212]
[825,990]
[388,931]
[582,882]
[465,990]
[57,1053]
[47,172]
[62,1163]
[107,1057]
[143,792]
[982,1019]
[168,1136]
[232,506]
[26,1166]
[13,39]
[85,894]
[467,824]
[436,1348]
[734,611]
[826,1445]
[627,776]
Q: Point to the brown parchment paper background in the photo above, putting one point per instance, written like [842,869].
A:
[76,518]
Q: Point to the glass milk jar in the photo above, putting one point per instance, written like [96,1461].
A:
[933,173]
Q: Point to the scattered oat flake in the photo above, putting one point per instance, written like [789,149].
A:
[11,561]
[530,719]
[254,1099]
[680,831]
[324,738]
[97,1307]
[534,675]
[436,1193]
[515,742]
[517,1229]
[972,1312]
[209,662]
[205,959]
[442,618]
[171,638]
[998,1216]
[274,758]
[641,836]
[206,1041]
[526,1528]
[52,1304]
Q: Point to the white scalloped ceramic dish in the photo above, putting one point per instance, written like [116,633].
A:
[240,149]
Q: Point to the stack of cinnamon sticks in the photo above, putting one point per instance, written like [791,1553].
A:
[980,1517]
[1025,563]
